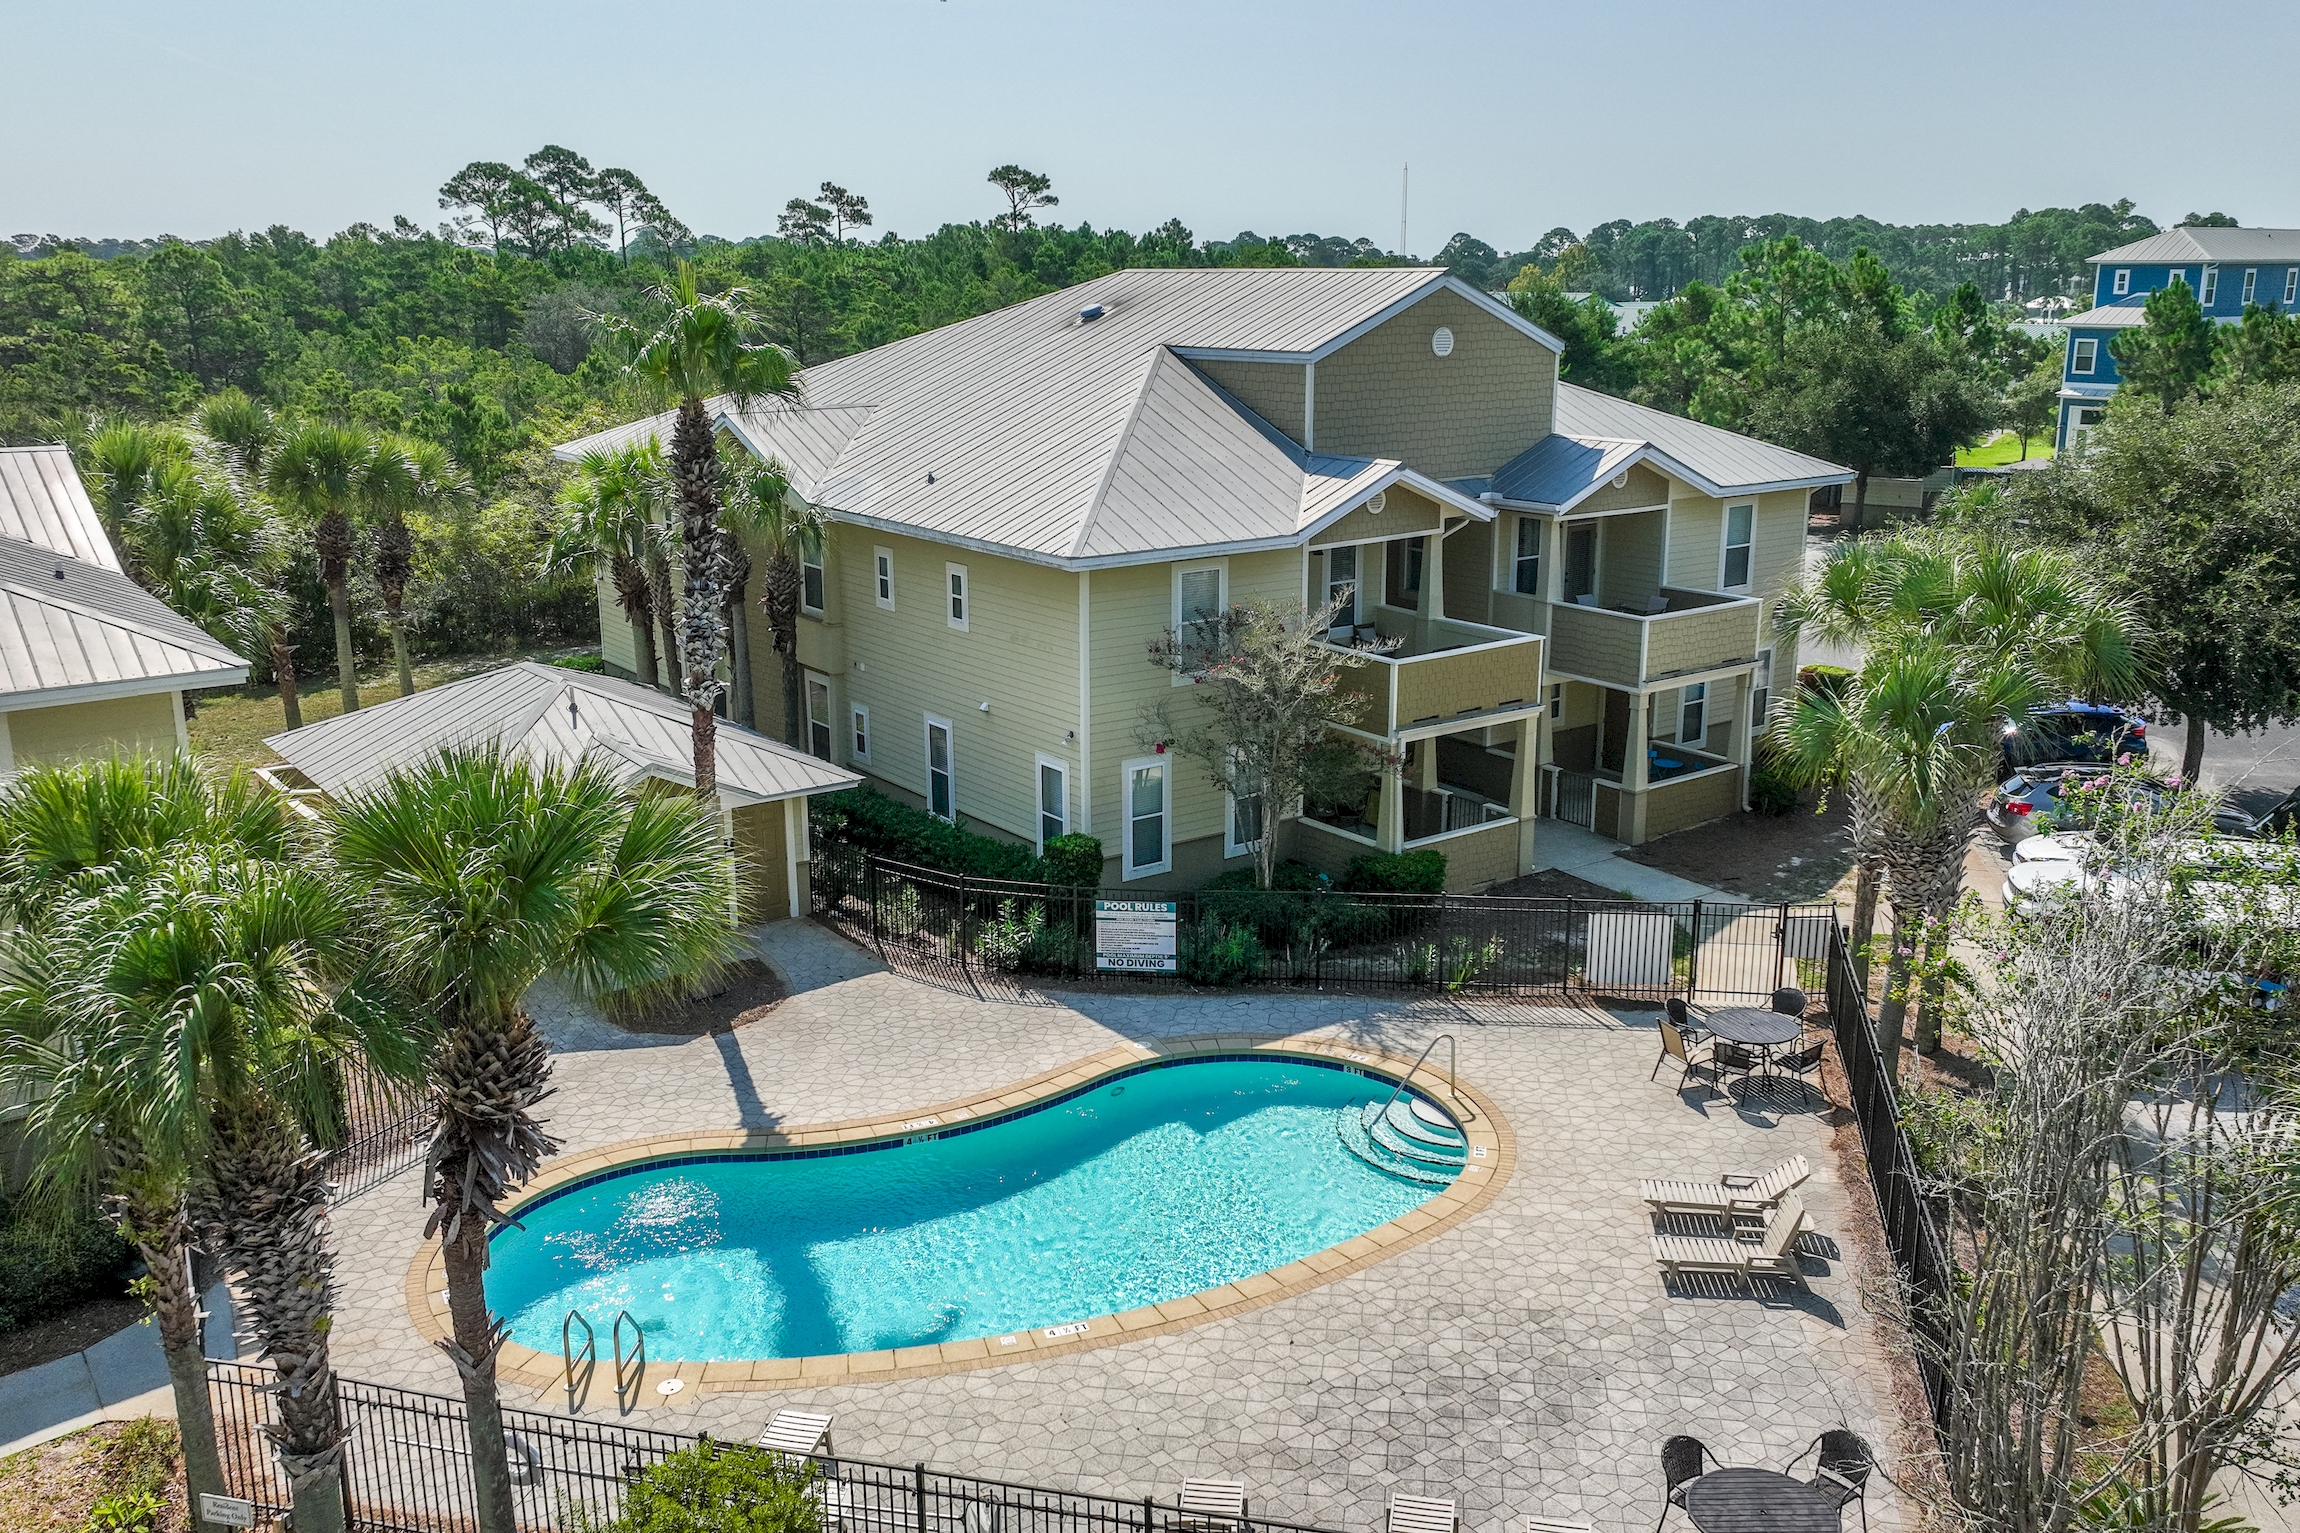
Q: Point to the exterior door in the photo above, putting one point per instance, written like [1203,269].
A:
[1580,561]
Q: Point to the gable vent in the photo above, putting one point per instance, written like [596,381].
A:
[1441,341]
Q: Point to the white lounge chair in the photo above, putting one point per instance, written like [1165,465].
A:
[1211,1506]
[1774,1256]
[802,1433]
[1423,1514]
[1728,1195]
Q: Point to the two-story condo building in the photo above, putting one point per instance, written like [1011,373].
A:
[1024,501]
[2225,268]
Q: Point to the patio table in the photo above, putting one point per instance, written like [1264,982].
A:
[1758,1029]
[1758,1501]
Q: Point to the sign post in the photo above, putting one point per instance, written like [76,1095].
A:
[1134,936]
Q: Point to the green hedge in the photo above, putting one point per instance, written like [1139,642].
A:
[49,1265]
[1395,873]
[869,819]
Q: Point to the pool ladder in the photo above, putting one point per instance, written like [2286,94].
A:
[1452,1086]
[630,1368]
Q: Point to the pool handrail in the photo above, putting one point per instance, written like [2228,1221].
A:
[627,1379]
[567,1353]
[1452,1086]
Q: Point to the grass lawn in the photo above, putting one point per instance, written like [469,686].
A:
[231,722]
[2001,449]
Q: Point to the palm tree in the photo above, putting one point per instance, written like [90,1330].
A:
[319,471]
[482,873]
[119,460]
[762,510]
[236,436]
[209,553]
[608,522]
[407,474]
[70,838]
[1960,633]
[707,347]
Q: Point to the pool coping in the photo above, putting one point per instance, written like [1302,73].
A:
[1492,1155]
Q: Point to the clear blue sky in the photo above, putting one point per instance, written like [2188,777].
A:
[130,117]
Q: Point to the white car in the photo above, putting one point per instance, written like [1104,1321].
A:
[2060,846]
[2043,878]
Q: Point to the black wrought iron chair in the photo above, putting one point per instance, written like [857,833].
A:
[1725,1054]
[1682,1015]
[1789,1001]
[1803,1063]
[1841,1472]
[1681,1465]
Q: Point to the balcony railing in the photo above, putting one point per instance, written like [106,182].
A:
[1689,631]
[1442,669]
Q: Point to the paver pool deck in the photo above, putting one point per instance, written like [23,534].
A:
[1526,1360]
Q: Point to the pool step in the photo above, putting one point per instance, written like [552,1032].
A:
[1383,1133]
[1423,1123]
[1350,1125]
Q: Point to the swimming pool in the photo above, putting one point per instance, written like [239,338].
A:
[1167,1180]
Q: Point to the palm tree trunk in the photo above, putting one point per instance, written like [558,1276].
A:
[267,1192]
[1892,1015]
[397,622]
[695,470]
[394,562]
[283,668]
[666,615]
[1934,994]
[2192,753]
[781,601]
[346,663]
[643,647]
[739,644]
[1860,500]
[477,1334]
[1865,886]
[163,1238]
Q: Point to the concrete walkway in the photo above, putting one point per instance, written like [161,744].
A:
[122,1377]
[1586,855]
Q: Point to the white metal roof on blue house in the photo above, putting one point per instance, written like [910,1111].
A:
[554,716]
[2265,246]
[2120,315]
[42,501]
[73,632]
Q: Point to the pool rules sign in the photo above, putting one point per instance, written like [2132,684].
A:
[1134,935]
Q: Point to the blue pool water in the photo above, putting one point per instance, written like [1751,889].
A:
[1169,1181]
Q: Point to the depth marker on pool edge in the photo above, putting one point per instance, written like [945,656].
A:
[1074,1328]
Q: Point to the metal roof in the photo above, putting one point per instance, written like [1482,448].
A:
[1715,461]
[2215,245]
[1560,470]
[2121,315]
[553,715]
[42,501]
[71,632]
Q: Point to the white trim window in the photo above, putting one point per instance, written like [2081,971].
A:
[2291,286]
[959,608]
[2251,283]
[1557,699]
[2123,282]
[1740,538]
[811,574]
[882,577]
[1525,564]
[1693,715]
[941,770]
[1201,595]
[1053,800]
[1146,799]
[1761,691]
[1242,827]
[2178,274]
[2083,355]
[819,716]
[858,733]
[1342,583]
[2211,286]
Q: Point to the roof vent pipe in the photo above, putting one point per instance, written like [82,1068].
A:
[1091,313]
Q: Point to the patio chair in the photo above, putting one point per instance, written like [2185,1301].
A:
[1725,1054]
[1689,1056]
[1656,605]
[1682,1015]
[1774,1256]
[1842,1471]
[1681,1460]
[799,1433]
[1423,1514]
[1728,1195]
[1789,1001]
[1212,1506]
[1803,1063]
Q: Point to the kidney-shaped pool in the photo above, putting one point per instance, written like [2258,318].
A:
[1167,1180]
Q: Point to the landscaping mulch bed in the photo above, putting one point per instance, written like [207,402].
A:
[54,1487]
[744,994]
[1764,858]
[62,1335]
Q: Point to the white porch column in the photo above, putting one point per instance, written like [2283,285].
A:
[1390,834]
[1525,788]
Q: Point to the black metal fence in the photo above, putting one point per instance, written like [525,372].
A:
[1919,1254]
[407,1455]
[386,1130]
[980,929]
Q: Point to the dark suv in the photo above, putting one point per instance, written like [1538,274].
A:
[2073,731]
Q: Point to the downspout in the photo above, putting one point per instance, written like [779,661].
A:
[1085,708]
[1309,407]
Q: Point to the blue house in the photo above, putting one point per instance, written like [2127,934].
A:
[2225,268]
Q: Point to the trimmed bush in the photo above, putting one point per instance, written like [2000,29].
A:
[1395,873]
[1832,679]
[48,1266]
[712,1489]
[869,819]
[1074,860]
[1769,791]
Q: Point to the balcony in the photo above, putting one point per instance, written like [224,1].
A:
[1443,671]
[1679,633]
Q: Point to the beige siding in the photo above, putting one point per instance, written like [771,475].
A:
[1697,540]
[1479,859]
[1445,685]
[1629,558]
[1645,488]
[1777,549]
[1674,806]
[1602,646]
[1388,395]
[1528,614]
[615,642]
[1404,513]
[1469,572]
[1272,390]
[122,726]
[762,872]
[1702,639]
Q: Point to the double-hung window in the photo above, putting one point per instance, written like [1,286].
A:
[960,610]
[941,783]
[2123,283]
[2211,286]
[1526,573]
[1148,799]
[1740,530]
[2177,274]
[1761,692]
[1053,800]
[858,722]
[1198,605]
[811,573]
[2251,283]
[2083,355]
[2291,286]
[1557,699]
[882,577]
[1342,584]
[1243,832]
[1692,715]
[819,716]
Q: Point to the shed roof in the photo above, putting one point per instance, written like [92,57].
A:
[42,501]
[2196,244]
[71,631]
[553,715]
